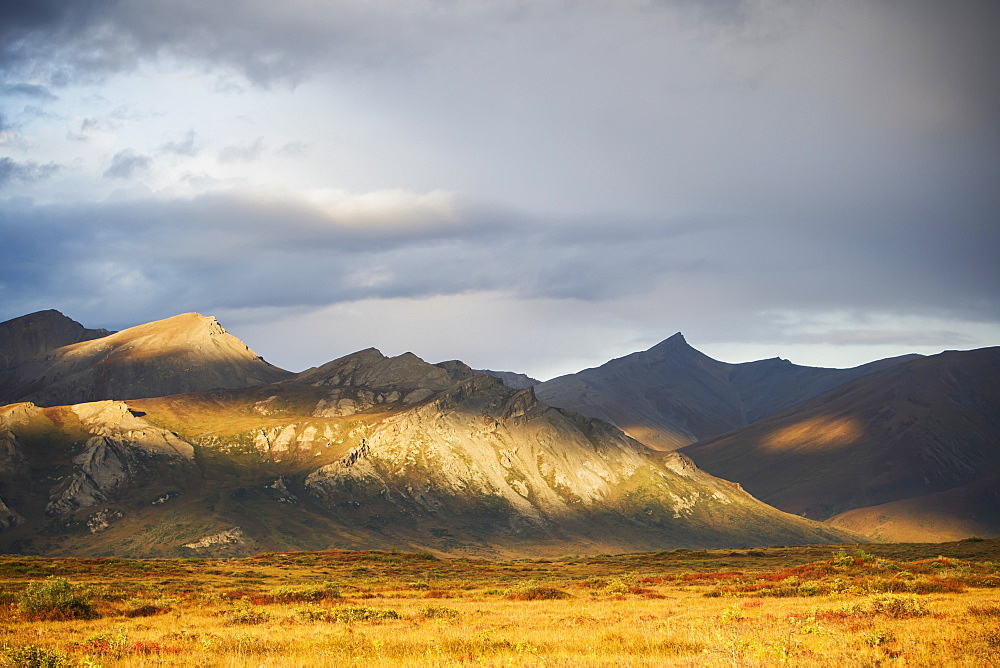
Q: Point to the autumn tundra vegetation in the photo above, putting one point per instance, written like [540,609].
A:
[878,605]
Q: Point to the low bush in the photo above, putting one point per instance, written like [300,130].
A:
[536,594]
[32,656]
[304,593]
[244,613]
[438,611]
[363,614]
[890,605]
[54,599]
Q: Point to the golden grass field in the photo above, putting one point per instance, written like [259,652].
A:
[871,605]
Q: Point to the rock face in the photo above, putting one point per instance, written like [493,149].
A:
[920,434]
[365,452]
[673,395]
[79,464]
[122,451]
[33,335]
[515,381]
[186,353]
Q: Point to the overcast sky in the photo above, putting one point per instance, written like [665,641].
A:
[532,186]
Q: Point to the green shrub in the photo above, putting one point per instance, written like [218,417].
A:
[878,638]
[890,605]
[347,615]
[289,594]
[244,613]
[32,656]
[536,594]
[54,599]
[438,611]
[363,614]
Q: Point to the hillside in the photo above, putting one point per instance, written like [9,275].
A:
[185,353]
[363,452]
[910,443]
[33,335]
[672,395]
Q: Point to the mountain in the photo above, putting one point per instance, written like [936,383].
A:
[971,510]
[29,336]
[366,451]
[185,353]
[516,381]
[672,395]
[910,450]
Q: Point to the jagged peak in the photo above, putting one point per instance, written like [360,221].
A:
[370,368]
[671,342]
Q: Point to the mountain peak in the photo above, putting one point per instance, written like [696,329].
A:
[185,353]
[371,369]
[32,335]
[672,345]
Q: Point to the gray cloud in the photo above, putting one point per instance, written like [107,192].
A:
[229,252]
[127,164]
[11,170]
[242,152]
[186,146]
[27,90]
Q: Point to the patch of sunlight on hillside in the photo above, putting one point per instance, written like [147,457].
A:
[820,432]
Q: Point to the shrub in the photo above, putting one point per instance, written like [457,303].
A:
[54,599]
[347,615]
[439,611]
[32,656]
[143,611]
[363,614]
[289,594]
[984,610]
[890,605]
[536,594]
[878,638]
[244,613]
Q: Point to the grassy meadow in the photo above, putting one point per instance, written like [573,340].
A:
[876,605]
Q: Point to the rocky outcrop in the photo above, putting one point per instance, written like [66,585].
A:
[233,536]
[515,381]
[8,517]
[123,451]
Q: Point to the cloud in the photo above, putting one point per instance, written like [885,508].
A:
[242,152]
[244,248]
[11,171]
[27,90]
[185,147]
[127,165]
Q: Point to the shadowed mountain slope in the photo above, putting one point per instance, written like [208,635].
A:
[672,395]
[927,427]
[32,335]
[185,353]
[971,510]
[516,381]
[363,452]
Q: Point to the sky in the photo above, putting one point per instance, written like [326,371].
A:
[528,186]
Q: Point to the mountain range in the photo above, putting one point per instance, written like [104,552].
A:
[174,438]
[906,448]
